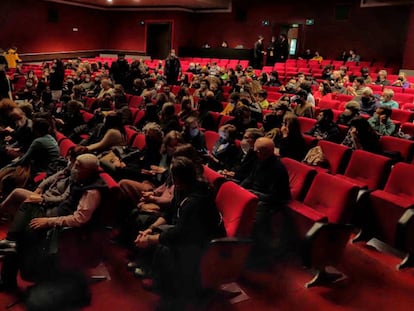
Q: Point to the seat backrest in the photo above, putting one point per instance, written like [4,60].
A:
[65,146]
[211,139]
[399,181]
[139,141]
[336,154]
[306,123]
[135,101]
[329,104]
[59,137]
[138,116]
[402,115]
[408,128]
[333,197]
[224,120]
[213,178]
[216,117]
[237,207]
[403,146]
[130,134]
[300,177]
[369,168]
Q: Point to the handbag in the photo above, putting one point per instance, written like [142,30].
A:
[315,156]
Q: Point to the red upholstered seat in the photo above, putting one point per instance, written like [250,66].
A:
[390,204]
[367,170]
[216,117]
[211,139]
[300,177]
[306,123]
[394,144]
[65,146]
[130,134]
[237,207]
[135,101]
[139,141]
[329,104]
[408,128]
[138,117]
[402,115]
[336,155]
[224,120]
[213,178]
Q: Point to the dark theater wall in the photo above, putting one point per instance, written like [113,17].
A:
[24,23]
[374,32]
[408,62]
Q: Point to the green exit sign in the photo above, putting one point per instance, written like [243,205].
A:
[310,22]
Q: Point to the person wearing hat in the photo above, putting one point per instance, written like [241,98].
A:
[351,112]
[28,230]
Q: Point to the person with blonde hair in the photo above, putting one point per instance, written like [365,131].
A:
[382,78]
[402,81]
[387,101]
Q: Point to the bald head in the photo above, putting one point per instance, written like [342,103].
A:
[264,148]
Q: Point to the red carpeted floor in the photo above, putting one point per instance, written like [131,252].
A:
[372,283]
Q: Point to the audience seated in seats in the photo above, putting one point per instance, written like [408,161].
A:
[317,57]
[290,143]
[350,113]
[28,233]
[152,175]
[186,109]
[43,150]
[138,166]
[121,107]
[170,95]
[325,128]
[193,135]
[401,81]
[273,121]
[234,102]
[382,78]
[169,120]
[213,104]
[69,118]
[262,99]
[106,88]
[202,91]
[50,192]
[269,180]
[290,88]
[205,119]
[273,79]
[108,134]
[179,246]
[327,73]
[381,121]
[362,136]
[353,57]
[218,93]
[387,100]
[324,89]
[242,120]
[357,88]
[368,101]
[16,138]
[307,87]
[303,107]
[365,75]
[225,151]
[306,55]
[246,159]
[184,92]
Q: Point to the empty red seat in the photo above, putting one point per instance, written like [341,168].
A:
[403,147]
[408,128]
[336,156]
[329,104]
[389,205]
[300,177]
[402,115]
[135,101]
[403,97]
[306,123]
[367,170]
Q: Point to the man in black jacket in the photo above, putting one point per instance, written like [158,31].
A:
[172,68]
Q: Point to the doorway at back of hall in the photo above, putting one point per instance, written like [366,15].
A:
[158,39]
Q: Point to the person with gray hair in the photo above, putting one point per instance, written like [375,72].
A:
[368,101]
[27,234]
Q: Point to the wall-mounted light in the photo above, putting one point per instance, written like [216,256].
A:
[75,29]
[142,22]
[266,23]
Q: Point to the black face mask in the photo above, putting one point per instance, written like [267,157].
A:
[365,100]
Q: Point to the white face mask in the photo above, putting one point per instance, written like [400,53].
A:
[223,135]
[194,132]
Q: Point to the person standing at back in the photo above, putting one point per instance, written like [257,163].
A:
[258,52]
[12,57]
[172,68]
[282,49]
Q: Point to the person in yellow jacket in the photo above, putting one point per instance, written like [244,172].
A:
[12,57]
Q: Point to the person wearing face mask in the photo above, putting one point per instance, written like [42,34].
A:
[87,84]
[365,75]
[225,150]
[303,107]
[28,230]
[325,128]
[381,121]
[351,112]
[368,101]
[193,135]
[401,81]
